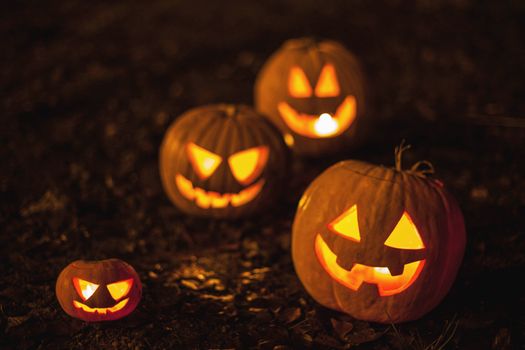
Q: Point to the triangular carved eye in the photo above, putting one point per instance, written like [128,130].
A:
[327,85]
[120,289]
[84,288]
[405,235]
[346,225]
[248,164]
[298,84]
[203,161]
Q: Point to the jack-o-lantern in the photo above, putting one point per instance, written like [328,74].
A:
[314,92]
[222,161]
[96,291]
[380,244]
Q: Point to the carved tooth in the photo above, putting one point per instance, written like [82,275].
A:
[396,269]
[205,199]
[201,198]
[218,200]
[101,310]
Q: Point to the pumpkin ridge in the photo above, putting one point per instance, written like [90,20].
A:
[452,213]
[366,174]
[238,143]
[221,145]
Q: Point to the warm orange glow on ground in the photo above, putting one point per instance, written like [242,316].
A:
[209,199]
[101,310]
[315,127]
[203,161]
[405,235]
[346,225]
[380,276]
[298,84]
[248,164]
[327,85]
[120,289]
[84,289]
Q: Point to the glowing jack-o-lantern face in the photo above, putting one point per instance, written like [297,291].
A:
[313,91]
[245,166]
[404,236]
[228,165]
[98,290]
[322,124]
[380,244]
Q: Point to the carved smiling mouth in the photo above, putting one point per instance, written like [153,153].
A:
[206,199]
[319,126]
[101,310]
[380,276]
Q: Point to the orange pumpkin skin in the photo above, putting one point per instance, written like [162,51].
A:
[275,99]
[222,134]
[101,305]
[382,196]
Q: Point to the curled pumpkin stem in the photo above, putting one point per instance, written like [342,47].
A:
[421,168]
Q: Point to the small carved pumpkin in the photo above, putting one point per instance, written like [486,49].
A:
[314,92]
[95,291]
[222,161]
[380,244]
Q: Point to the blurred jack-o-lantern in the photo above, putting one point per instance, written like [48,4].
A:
[96,291]
[222,161]
[314,92]
[380,244]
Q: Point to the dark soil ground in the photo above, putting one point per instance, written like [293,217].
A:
[89,89]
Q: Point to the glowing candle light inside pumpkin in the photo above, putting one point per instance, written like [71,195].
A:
[89,290]
[325,124]
[208,163]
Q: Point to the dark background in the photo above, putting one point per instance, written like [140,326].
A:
[89,89]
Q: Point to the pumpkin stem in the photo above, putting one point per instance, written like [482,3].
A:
[421,168]
[422,172]
[231,110]
[398,153]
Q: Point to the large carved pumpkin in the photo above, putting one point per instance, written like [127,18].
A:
[314,92]
[378,243]
[94,291]
[222,161]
